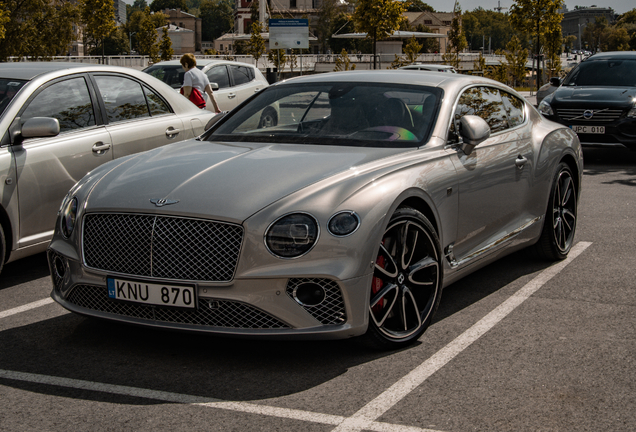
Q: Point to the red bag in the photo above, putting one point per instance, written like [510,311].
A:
[196,97]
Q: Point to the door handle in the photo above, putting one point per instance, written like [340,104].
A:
[100,148]
[520,161]
[170,132]
[231,95]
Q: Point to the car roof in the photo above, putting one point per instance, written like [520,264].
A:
[200,62]
[432,65]
[433,78]
[29,70]
[612,55]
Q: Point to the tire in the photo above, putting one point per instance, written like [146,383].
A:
[559,226]
[269,118]
[3,248]
[407,283]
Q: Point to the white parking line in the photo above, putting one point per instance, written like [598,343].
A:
[26,307]
[244,407]
[365,418]
[394,394]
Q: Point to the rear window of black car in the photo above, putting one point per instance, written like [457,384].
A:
[604,72]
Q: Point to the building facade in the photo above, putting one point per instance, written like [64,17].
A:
[575,21]
[181,21]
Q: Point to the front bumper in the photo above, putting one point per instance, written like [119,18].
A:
[620,133]
[247,307]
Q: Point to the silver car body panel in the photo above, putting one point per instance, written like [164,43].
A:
[38,173]
[483,205]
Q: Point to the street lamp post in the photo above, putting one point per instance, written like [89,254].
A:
[130,39]
[579,36]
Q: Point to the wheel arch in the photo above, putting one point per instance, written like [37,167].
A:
[421,205]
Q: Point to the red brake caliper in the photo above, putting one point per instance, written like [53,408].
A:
[377,285]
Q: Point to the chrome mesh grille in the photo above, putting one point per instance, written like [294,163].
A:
[210,312]
[332,310]
[162,247]
[599,115]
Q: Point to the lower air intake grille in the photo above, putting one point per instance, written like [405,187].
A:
[210,312]
[331,311]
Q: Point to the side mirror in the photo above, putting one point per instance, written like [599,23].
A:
[214,86]
[473,130]
[555,81]
[39,127]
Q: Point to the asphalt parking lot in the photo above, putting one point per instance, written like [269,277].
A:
[521,345]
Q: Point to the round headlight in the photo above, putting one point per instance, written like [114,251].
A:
[292,235]
[69,213]
[343,224]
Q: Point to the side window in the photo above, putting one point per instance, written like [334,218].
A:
[68,101]
[484,102]
[240,74]
[123,97]
[155,103]
[514,108]
[218,74]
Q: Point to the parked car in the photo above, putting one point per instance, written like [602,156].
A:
[236,81]
[58,121]
[348,218]
[430,67]
[547,89]
[598,100]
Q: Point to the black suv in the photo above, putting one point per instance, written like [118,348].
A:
[597,99]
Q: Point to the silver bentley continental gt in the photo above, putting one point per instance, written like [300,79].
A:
[374,191]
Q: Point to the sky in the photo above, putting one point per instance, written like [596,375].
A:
[619,6]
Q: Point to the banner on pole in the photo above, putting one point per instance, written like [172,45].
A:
[288,33]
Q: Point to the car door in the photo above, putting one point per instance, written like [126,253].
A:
[225,95]
[138,118]
[494,179]
[48,167]
[243,82]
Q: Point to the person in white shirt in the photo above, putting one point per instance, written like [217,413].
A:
[194,78]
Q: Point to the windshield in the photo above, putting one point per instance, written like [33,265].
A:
[342,113]
[8,89]
[606,72]
[170,74]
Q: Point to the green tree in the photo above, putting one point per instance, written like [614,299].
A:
[278,58]
[484,28]
[539,18]
[98,17]
[325,23]
[159,5]
[343,63]
[4,19]
[429,45]
[456,40]
[412,50]
[378,19]
[147,37]
[114,44]
[256,44]
[217,18]
[165,45]
[516,58]
[418,6]
[37,29]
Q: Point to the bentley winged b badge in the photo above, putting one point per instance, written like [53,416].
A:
[163,202]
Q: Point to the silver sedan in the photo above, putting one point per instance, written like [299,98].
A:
[58,121]
[373,192]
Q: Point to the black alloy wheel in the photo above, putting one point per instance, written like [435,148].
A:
[559,226]
[407,281]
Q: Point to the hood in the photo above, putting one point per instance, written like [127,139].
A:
[619,97]
[226,181]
